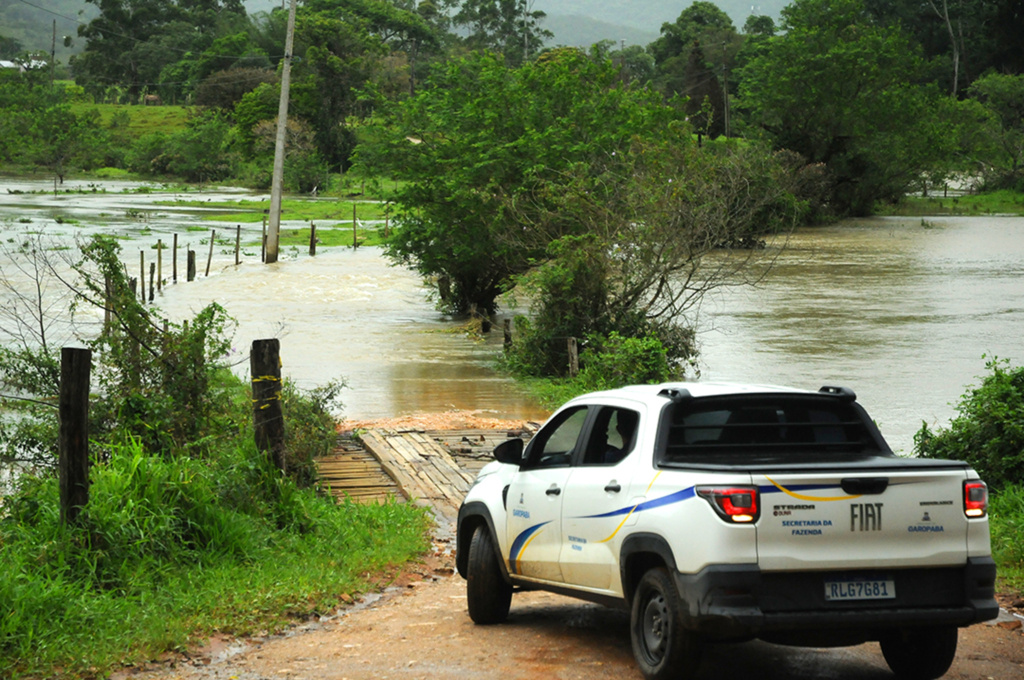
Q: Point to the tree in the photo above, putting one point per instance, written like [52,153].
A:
[1002,130]
[482,134]
[962,39]
[508,27]
[131,42]
[692,56]
[702,21]
[838,90]
[759,25]
[627,244]
[9,47]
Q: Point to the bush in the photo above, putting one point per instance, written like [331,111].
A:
[1006,520]
[988,431]
[178,547]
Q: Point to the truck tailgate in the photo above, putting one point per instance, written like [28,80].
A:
[884,519]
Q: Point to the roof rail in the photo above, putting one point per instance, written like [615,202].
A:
[844,393]
[675,393]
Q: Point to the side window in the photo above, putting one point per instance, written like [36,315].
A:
[554,445]
[613,436]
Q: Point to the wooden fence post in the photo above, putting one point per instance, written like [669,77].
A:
[191,265]
[267,414]
[209,258]
[312,239]
[508,334]
[142,275]
[238,243]
[355,241]
[574,359]
[159,263]
[73,434]
[263,252]
[174,260]
[152,275]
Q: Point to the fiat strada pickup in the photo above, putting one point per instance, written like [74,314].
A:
[716,513]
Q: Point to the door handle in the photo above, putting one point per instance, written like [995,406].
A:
[553,491]
[613,487]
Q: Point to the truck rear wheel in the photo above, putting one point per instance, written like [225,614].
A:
[662,647]
[920,653]
[487,593]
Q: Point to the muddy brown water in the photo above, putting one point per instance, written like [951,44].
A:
[900,310]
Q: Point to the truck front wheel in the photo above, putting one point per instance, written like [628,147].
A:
[662,647]
[487,593]
[920,653]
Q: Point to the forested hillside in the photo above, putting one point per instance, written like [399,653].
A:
[30,23]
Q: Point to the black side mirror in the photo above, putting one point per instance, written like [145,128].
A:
[509,451]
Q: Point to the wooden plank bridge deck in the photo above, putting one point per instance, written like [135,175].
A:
[430,467]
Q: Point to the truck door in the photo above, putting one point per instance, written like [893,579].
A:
[534,525]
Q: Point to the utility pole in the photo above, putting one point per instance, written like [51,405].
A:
[282,127]
[53,53]
[725,89]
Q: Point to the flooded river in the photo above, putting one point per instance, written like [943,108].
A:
[898,310]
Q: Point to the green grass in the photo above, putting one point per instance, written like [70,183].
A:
[291,209]
[143,119]
[170,551]
[997,202]
[332,236]
[1006,521]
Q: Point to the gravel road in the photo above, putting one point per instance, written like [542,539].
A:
[418,628]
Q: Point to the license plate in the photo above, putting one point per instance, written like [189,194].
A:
[860,589]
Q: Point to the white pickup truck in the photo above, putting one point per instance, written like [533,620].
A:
[717,512]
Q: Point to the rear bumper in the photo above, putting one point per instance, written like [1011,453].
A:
[742,601]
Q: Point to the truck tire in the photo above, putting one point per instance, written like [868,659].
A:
[662,647]
[920,653]
[487,593]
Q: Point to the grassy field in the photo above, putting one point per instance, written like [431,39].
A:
[319,210]
[143,119]
[995,203]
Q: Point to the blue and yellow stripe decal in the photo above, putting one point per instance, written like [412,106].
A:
[794,489]
[523,540]
[519,546]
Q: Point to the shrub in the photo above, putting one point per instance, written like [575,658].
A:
[1007,525]
[988,431]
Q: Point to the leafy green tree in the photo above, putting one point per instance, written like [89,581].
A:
[702,22]
[482,136]
[837,89]
[9,47]
[508,27]
[759,25]
[1002,131]
[988,430]
[131,42]
[962,39]
[225,89]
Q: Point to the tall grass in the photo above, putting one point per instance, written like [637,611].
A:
[172,549]
[1007,526]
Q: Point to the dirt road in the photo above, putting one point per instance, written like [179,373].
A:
[418,628]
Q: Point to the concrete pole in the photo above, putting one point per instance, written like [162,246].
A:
[282,126]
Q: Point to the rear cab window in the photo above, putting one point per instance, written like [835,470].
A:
[766,429]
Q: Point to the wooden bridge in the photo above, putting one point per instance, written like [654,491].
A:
[430,467]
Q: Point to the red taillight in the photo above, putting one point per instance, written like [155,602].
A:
[737,504]
[975,498]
